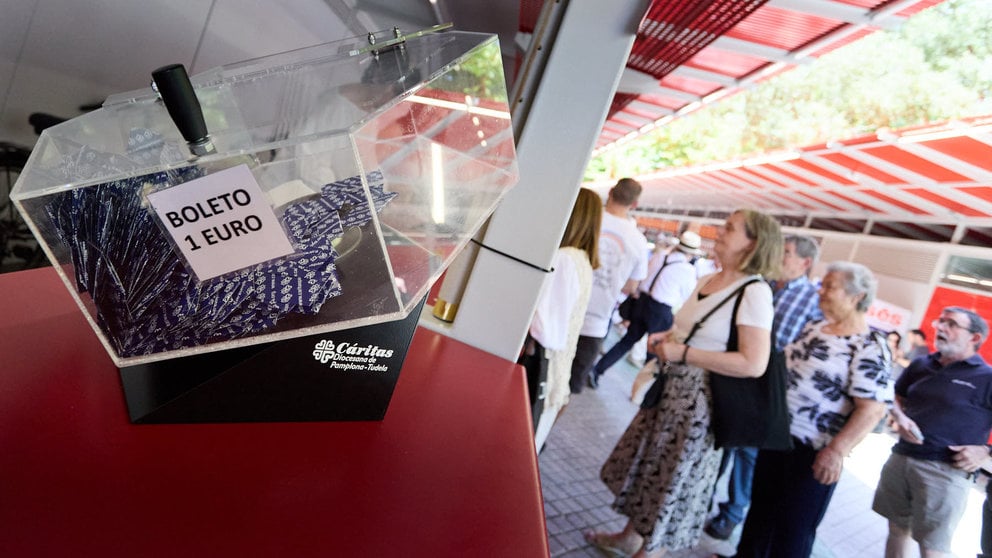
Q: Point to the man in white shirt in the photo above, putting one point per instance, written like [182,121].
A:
[672,278]
[623,255]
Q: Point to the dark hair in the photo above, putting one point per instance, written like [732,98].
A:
[626,191]
[920,333]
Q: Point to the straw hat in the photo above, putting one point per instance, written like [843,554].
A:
[689,242]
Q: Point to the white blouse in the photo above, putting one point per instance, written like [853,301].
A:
[755,310]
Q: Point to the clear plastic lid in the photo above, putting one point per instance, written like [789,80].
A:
[344,178]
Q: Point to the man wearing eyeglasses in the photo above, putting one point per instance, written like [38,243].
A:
[943,414]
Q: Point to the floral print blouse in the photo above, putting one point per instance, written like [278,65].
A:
[826,373]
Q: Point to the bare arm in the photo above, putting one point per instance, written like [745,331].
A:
[867,414]
[829,461]
[970,458]
[748,361]
[905,426]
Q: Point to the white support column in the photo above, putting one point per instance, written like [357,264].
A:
[567,114]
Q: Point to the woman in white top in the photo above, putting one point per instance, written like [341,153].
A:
[664,467]
[561,307]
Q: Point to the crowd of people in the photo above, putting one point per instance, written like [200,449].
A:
[844,380]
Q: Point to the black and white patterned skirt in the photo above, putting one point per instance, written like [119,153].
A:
[664,468]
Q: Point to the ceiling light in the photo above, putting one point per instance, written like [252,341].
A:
[960,278]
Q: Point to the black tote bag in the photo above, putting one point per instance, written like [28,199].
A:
[751,412]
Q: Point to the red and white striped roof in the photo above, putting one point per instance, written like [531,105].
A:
[689,53]
[926,176]
[931,183]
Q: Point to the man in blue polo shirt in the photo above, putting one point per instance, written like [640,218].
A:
[943,413]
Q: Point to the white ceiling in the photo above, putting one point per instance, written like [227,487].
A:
[59,55]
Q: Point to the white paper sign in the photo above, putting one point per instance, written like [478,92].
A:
[221,222]
[887,317]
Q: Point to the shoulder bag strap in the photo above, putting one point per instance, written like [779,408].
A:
[657,275]
[733,330]
[732,338]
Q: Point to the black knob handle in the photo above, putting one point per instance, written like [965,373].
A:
[180,100]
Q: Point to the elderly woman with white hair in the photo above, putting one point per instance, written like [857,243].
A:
[839,389]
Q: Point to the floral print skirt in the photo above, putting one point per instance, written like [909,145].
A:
[664,468]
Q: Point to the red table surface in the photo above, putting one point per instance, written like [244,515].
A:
[451,471]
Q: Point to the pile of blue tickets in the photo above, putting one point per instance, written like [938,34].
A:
[146,299]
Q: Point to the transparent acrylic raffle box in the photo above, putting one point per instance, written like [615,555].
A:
[339,183]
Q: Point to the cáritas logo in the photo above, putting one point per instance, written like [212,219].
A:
[349,356]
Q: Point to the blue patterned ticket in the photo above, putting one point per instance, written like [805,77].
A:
[147,300]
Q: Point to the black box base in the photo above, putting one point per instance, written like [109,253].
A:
[344,375]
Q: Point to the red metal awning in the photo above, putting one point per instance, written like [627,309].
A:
[690,53]
[928,182]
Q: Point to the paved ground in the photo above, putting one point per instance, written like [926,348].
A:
[576,500]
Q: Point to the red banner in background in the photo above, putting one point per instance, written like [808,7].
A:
[944,297]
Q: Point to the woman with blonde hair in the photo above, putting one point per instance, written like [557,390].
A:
[554,331]
[664,468]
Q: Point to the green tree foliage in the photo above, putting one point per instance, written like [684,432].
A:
[935,68]
[956,37]
[479,75]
